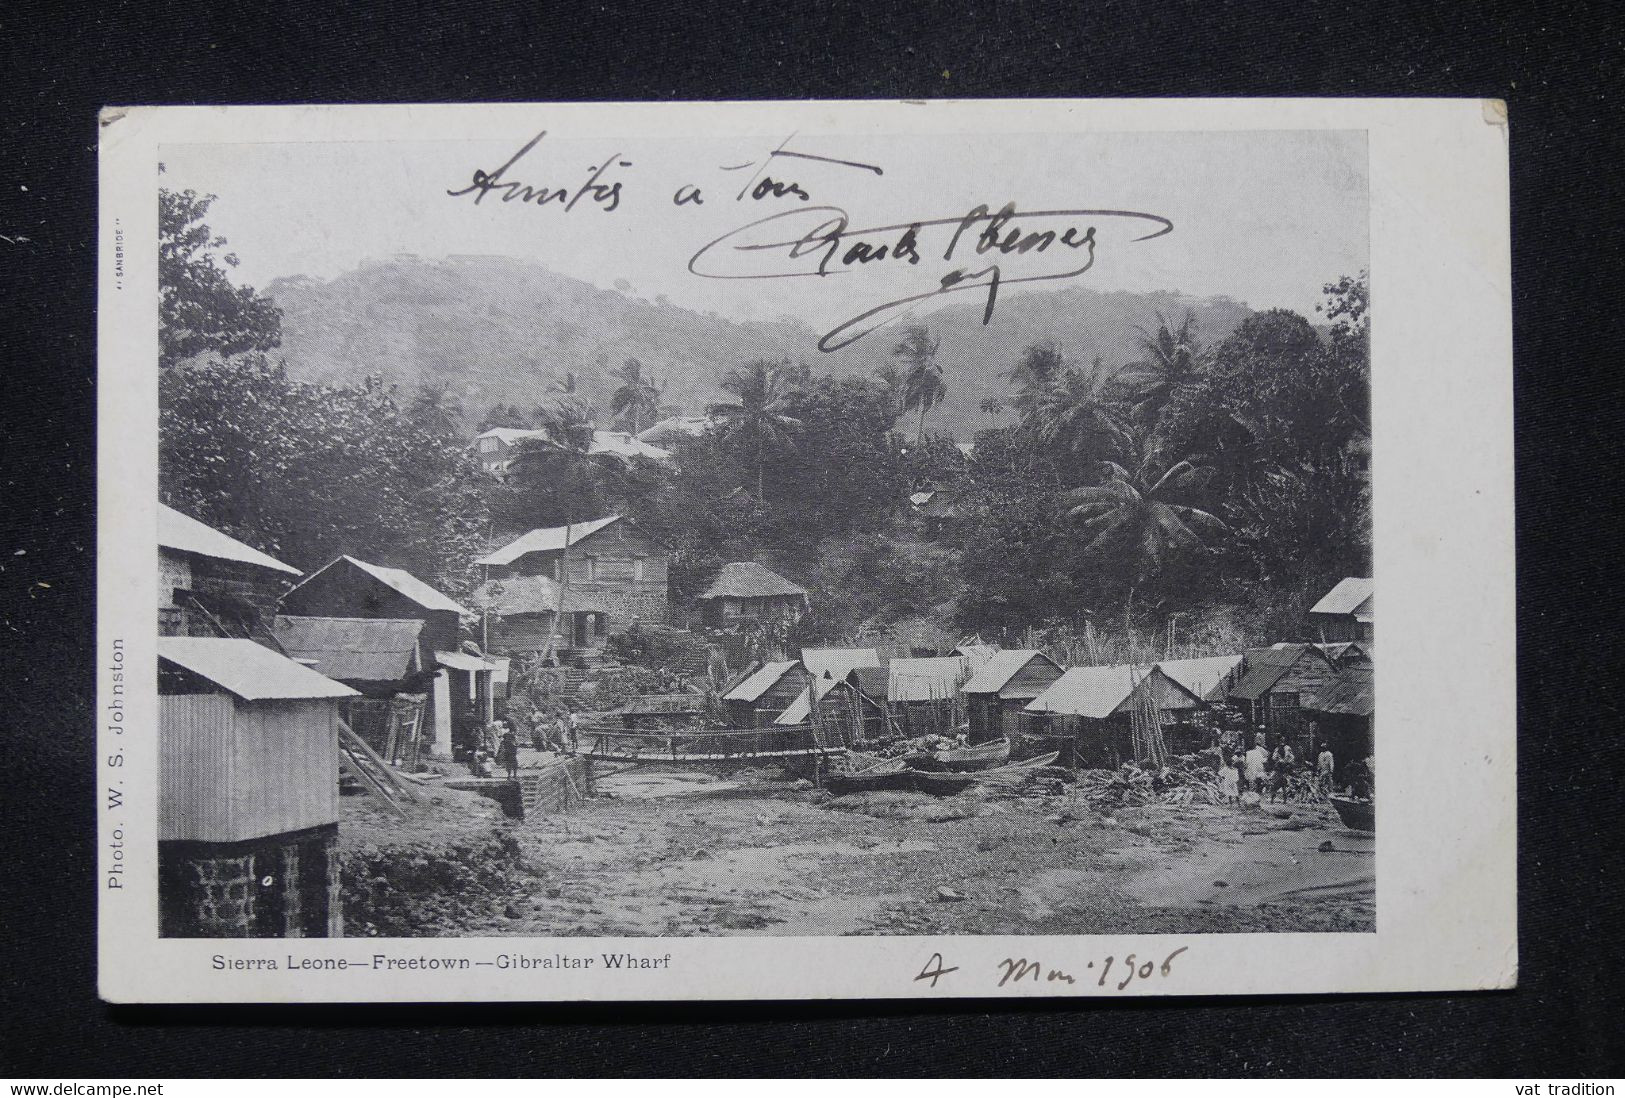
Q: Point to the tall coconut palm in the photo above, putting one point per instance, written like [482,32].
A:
[637,399]
[1076,413]
[891,379]
[1140,513]
[1170,359]
[760,414]
[1040,365]
[923,383]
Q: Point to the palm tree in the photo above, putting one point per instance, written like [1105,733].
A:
[1075,412]
[569,451]
[1037,369]
[891,379]
[1170,360]
[436,408]
[1139,513]
[923,384]
[637,397]
[761,412]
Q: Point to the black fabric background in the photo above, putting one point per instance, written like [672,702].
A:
[1559,68]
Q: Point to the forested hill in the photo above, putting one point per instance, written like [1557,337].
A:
[499,330]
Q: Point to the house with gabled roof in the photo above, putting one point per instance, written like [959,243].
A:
[1278,683]
[837,708]
[1002,687]
[1088,712]
[212,585]
[617,576]
[462,694]
[1347,612]
[758,699]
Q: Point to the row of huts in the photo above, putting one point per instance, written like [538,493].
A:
[1306,693]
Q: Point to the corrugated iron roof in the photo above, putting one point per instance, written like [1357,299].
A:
[932,678]
[624,444]
[761,681]
[186,534]
[1204,676]
[1001,667]
[1094,692]
[672,426]
[352,649]
[545,539]
[838,661]
[409,585]
[1351,695]
[248,670]
[1350,594]
[532,595]
[748,580]
[800,710]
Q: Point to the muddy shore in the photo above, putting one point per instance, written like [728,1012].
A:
[687,853]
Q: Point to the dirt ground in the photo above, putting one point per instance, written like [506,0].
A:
[687,853]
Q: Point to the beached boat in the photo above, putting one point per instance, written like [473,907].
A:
[891,774]
[1357,815]
[982,756]
[941,783]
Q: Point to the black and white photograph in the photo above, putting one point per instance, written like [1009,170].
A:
[799,528]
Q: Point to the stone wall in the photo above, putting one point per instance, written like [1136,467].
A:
[283,886]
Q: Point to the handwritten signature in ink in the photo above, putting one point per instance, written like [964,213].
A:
[985,248]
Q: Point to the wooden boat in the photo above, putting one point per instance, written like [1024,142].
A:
[891,774]
[941,783]
[1357,815]
[982,756]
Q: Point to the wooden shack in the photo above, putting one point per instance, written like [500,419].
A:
[247,792]
[1341,717]
[1278,684]
[837,707]
[1002,687]
[1347,612]
[758,699]
[923,694]
[1087,713]
[462,695]
[211,585]
[744,590]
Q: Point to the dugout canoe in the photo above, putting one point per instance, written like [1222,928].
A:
[1357,815]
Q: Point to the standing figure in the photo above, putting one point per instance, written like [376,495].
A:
[1229,781]
[1257,760]
[508,754]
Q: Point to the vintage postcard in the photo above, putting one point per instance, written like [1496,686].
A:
[805,550]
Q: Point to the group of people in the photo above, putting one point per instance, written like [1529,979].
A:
[1260,768]
[559,732]
[497,745]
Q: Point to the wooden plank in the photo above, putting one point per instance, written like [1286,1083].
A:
[387,773]
[359,772]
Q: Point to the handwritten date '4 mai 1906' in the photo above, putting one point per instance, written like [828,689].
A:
[1020,972]
[986,247]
